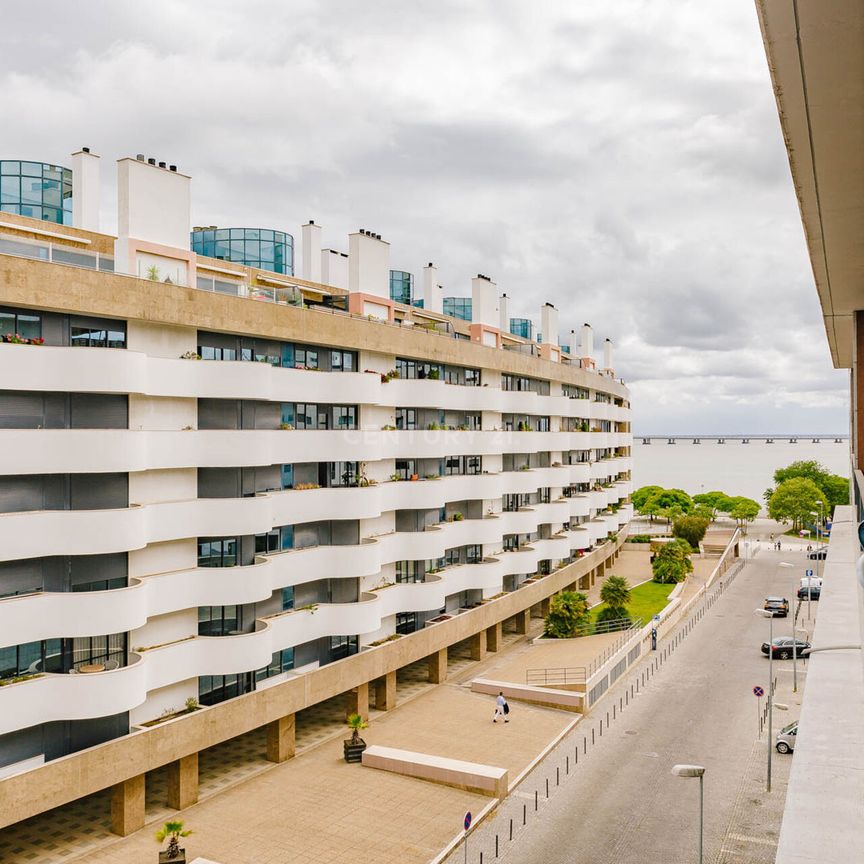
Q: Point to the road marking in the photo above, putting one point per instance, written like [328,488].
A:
[743,838]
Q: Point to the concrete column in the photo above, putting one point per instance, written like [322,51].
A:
[494,636]
[523,620]
[385,692]
[438,667]
[127,806]
[280,739]
[571,587]
[183,782]
[478,645]
[357,701]
[545,603]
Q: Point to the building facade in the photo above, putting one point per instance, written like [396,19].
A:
[37,190]
[216,492]
[262,248]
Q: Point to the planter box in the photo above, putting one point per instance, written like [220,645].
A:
[353,752]
[180,859]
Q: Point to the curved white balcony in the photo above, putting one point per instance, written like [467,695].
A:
[73,697]
[580,505]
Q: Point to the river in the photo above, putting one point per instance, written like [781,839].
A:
[733,467]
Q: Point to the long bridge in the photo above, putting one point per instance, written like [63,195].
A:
[740,439]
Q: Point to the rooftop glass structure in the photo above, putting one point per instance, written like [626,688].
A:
[522,327]
[401,287]
[255,247]
[37,190]
[458,307]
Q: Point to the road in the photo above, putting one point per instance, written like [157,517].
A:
[622,804]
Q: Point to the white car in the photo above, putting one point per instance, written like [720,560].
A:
[786,738]
[811,582]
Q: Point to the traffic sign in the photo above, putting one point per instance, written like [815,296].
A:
[808,572]
[757,691]
[467,822]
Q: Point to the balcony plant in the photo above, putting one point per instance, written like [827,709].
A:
[286,426]
[434,374]
[354,746]
[172,831]
[457,516]
[18,339]
[190,355]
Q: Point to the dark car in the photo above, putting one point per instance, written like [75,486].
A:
[783,647]
[778,606]
[818,555]
[814,591]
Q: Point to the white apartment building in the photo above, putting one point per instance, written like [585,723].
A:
[255,490]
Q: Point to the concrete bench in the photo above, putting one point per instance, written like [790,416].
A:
[471,776]
[548,697]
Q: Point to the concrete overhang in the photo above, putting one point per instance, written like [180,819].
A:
[816,58]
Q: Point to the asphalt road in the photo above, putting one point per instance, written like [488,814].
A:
[622,804]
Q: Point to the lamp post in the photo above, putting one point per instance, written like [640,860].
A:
[770,616]
[818,552]
[695,771]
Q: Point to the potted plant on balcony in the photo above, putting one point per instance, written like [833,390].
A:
[172,831]
[354,746]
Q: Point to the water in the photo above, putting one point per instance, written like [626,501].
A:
[733,467]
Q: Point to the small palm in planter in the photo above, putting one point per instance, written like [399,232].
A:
[172,831]
[355,745]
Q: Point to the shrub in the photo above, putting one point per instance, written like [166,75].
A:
[672,563]
[614,613]
[568,616]
[690,528]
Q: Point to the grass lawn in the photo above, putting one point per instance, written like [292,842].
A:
[646,600]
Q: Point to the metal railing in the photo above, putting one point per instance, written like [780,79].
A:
[556,677]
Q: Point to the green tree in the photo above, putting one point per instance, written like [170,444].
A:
[612,613]
[568,616]
[615,592]
[834,488]
[744,509]
[640,496]
[712,501]
[690,528]
[672,563]
[793,501]
[669,503]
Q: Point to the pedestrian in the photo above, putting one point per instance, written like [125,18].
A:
[502,709]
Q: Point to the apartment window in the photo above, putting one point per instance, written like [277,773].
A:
[25,324]
[511,542]
[97,333]
[410,571]
[305,358]
[405,468]
[213,689]
[342,646]
[512,502]
[344,416]
[544,495]
[269,542]
[217,552]
[87,650]
[418,369]
[406,622]
[281,662]
[101,584]
[31,657]
[209,352]
[462,465]
[287,598]
[472,377]
[343,361]
[474,422]
[218,621]
[309,416]
[335,474]
[406,418]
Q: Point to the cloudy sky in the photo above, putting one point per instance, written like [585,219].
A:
[622,160]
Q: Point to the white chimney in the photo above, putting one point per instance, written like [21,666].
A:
[607,355]
[85,190]
[574,345]
[549,324]
[368,264]
[334,268]
[154,203]
[503,314]
[432,298]
[586,349]
[484,301]
[311,239]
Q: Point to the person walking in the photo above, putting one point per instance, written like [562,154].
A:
[502,709]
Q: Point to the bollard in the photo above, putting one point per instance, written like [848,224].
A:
[584,746]
[627,697]
[557,775]
[547,787]
[496,845]
[607,721]
[620,705]
[481,858]
[524,813]
[511,830]
[592,737]
[601,727]
[613,715]
[536,800]
[567,769]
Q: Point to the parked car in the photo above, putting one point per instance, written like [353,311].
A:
[778,606]
[782,647]
[813,590]
[785,742]
[811,581]
[818,555]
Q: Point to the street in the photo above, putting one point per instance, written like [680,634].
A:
[621,804]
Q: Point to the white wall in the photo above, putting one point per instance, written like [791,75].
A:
[368,265]
[334,268]
[484,302]
[153,204]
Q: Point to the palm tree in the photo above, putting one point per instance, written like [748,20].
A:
[356,723]
[172,830]
[615,592]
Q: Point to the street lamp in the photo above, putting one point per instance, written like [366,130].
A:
[765,613]
[695,771]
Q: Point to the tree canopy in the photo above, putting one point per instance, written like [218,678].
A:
[743,509]
[690,528]
[794,500]
[568,616]
[666,503]
[641,495]
[834,488]
[616,592]
[672,563]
